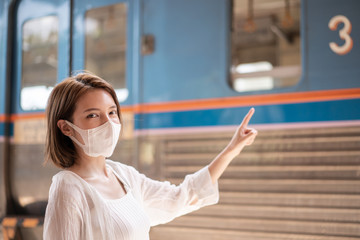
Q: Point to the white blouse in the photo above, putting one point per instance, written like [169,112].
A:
[76,210]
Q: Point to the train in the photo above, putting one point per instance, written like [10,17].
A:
[185,73]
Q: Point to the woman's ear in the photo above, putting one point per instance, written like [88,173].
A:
[64,127]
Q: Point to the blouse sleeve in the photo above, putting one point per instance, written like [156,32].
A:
[63,216]
[164,201]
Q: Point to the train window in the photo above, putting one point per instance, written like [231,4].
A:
[39,61]
[265,44]
[105,53]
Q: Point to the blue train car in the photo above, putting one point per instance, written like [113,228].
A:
[186,72]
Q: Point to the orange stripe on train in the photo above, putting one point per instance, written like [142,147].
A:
[226,102]
[2,118]
[15,117]
[255,100]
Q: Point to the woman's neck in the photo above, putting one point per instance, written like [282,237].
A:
[89,167]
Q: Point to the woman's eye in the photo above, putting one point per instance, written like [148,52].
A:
[92,115]
[113,112]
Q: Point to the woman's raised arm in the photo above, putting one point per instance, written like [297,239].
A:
[243,136]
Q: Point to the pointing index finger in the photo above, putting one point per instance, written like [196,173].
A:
[247,117]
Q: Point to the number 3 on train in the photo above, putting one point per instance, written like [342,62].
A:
[343,33]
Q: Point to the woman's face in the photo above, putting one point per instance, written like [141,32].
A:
[95,108]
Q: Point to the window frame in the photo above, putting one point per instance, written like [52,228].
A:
[27,10]
[78,40]
[277,70]
[22,60]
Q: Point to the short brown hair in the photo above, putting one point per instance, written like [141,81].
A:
[61,105]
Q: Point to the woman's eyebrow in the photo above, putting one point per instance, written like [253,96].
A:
[97,109]
[92,109]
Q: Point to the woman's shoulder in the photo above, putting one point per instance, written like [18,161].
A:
[66,183]
[67,191]
[65,177]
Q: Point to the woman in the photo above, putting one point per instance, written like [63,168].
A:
[95,198]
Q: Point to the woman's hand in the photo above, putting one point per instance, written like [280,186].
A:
[243,136]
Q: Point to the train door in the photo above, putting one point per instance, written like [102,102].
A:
[102,43]
[39,60]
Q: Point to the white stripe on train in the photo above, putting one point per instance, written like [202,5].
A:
[230,128]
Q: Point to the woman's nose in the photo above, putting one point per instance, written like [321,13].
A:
[105,118]
[108,117]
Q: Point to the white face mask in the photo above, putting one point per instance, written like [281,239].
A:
[99,141]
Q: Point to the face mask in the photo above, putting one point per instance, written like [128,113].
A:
[99,141]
